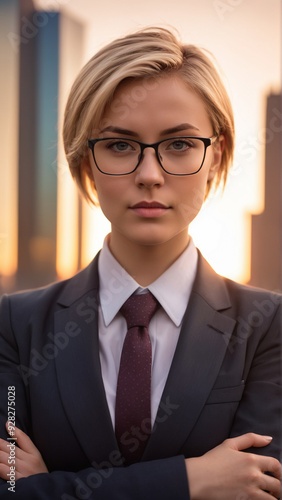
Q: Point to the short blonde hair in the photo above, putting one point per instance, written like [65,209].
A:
[150,52]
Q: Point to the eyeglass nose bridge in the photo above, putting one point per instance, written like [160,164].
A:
[154,146]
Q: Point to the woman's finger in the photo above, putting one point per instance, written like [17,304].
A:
[22,439]
[248,440]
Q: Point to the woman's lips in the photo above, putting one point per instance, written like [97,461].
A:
[149,209]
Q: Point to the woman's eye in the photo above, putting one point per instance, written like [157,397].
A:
[179,146]
[120,147]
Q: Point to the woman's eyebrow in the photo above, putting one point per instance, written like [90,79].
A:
[172,130]
[179,128]
[118,130]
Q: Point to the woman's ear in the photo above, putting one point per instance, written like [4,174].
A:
[218,148]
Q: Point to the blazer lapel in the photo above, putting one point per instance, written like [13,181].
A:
[202,344]
[203,341]
[78,367]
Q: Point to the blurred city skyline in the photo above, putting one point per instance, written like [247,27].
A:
[64,233]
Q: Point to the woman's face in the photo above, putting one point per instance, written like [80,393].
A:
[149,112]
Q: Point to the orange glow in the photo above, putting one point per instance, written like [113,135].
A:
[9,151]
[222,230]
[214,237]
[94,229]
[67,226]
[68,202]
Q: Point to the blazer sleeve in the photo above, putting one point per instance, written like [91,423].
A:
[166,478]
[260,408]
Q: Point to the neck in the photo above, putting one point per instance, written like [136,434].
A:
[145,263]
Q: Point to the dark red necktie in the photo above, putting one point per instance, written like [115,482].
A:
[133,399]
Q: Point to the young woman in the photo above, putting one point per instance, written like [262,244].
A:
[148,130]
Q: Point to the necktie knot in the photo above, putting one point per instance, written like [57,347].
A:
[138,310]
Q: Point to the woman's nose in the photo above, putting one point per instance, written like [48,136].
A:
[149,171]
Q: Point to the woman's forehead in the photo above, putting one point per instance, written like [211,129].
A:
[166,103]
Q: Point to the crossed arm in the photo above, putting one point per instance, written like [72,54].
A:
[223,472]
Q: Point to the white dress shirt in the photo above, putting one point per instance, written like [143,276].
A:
[172,289]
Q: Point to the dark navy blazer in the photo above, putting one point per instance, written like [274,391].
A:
[224,381]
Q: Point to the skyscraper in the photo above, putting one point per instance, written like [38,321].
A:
[266,242]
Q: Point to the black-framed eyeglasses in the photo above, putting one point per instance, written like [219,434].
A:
[176,155]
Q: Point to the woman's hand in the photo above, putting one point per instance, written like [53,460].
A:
[226,472]
[25,457]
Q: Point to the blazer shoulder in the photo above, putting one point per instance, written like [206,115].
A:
[24,304]
[250,293]
[255,307]
[222,293]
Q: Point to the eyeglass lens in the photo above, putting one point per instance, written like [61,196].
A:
[176,155]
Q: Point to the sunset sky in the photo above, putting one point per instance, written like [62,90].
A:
[245,38]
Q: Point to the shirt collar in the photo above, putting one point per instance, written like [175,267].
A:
[172,289]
